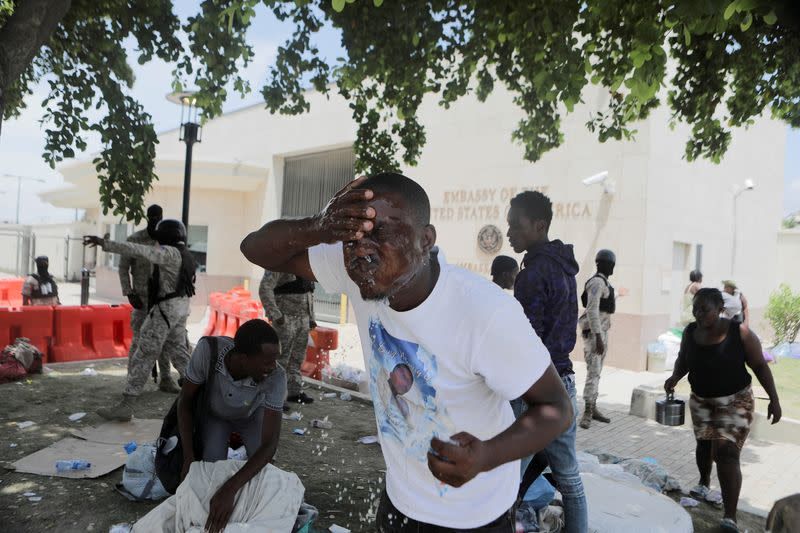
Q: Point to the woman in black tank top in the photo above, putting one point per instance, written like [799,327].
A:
[714,352]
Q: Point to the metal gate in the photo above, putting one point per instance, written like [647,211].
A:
[309,181]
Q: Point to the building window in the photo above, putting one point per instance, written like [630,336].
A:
[309,181]
[197,242]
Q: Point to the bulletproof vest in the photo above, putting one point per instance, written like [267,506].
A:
[297,286]
[184,286]
[607,305]
[47,287]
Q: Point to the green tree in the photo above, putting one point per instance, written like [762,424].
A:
[718,64]
[783,314]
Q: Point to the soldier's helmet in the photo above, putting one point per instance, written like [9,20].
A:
[607,256]
[171,232]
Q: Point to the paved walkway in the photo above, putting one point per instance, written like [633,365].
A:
[770,471]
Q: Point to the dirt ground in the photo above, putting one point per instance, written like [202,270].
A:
[342,477]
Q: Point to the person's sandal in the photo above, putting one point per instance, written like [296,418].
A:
[705,494]
[726,524]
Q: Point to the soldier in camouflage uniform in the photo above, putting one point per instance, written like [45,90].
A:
[600,303]
[164,329]
[134,276]
[288,302]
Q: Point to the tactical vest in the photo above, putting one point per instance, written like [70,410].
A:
[298,286]
[607,305]
[184,286]
[38,293]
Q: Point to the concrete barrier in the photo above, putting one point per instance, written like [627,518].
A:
[643,404]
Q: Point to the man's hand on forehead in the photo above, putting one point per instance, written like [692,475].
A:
[348,215]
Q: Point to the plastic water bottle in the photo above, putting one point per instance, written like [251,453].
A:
[73,464]
[130,447]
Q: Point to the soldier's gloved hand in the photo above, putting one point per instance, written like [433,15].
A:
[135,300]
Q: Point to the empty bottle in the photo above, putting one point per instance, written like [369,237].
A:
[73,464]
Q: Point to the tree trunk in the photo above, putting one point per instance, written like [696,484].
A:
[23,34]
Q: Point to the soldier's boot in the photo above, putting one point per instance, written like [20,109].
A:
[122,412]
[597,415]
[168,385]
[586,419]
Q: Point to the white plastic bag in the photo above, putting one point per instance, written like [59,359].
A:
[139,475]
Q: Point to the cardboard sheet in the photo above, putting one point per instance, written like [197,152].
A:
[139,430]
[101,446]
[103,457]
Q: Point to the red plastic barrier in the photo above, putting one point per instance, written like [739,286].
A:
[214,314]
[227,311]
[111,330]
[322,341]
[11,292]
[34,322]
[72,334]
[90,332]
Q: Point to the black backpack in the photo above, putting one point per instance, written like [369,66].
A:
[169,465]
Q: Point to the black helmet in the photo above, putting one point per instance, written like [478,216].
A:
[171,232]
[607,256]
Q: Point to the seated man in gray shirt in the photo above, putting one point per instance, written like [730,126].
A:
[246,395]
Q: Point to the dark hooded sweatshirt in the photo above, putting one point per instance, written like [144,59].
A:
[547,290]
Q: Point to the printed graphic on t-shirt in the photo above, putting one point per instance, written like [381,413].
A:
[401,383]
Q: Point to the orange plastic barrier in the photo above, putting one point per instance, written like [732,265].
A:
[214,314]
[111,330]
[11,292]
[322,341]
[227,311]
[90,332]
[34,322]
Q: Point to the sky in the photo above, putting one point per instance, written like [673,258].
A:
[22,139]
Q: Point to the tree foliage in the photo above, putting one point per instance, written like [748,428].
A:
[717,64]
[783,314]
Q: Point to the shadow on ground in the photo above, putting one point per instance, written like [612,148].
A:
[342,478]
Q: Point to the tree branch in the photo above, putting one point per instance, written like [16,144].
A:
[26,30]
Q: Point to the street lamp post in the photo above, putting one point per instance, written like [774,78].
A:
[190,133]
[19,187]
[737,191]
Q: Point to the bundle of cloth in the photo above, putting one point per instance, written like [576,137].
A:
[268,502]
[19,359]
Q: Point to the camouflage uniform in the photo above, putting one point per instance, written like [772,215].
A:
[592,322]
[134,275]
[164,329]
[298,312]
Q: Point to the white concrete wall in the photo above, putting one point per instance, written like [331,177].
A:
[693,203]
[788,263]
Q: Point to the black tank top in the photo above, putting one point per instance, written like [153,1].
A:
[716,369]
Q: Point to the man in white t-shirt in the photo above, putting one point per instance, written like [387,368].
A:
[445,349]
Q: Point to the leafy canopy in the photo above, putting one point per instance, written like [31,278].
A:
[718,64]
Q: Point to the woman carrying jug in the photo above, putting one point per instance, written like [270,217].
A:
[714,352]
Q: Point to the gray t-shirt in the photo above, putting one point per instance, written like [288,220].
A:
[231,399]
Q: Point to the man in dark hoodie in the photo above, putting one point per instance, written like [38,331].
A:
[547,290]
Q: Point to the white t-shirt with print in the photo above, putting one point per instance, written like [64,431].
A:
[455,361]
